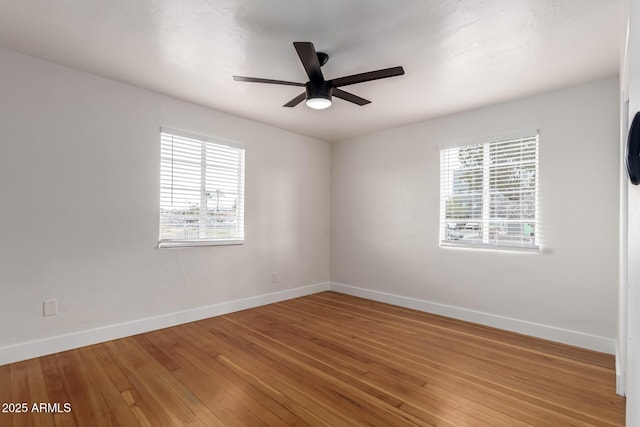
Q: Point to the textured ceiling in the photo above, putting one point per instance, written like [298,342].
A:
[457,55]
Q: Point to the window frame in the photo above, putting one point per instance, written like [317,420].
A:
[197,242]
[487,244]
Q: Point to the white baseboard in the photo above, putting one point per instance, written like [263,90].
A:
[552,333]
[42,347]
[620,390]
[621,383]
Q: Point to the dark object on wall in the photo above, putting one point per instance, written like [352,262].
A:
[633,151]
[318,91]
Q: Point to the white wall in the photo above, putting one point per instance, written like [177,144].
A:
[385,214]
[630,260]
[79,189]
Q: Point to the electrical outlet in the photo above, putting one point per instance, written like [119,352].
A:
[50,307]
[274,277]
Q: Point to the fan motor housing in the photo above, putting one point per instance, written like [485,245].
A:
[319,90]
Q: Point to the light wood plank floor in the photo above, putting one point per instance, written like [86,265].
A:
[327,360]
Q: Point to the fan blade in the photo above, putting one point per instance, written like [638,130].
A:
[309,58]
[339,93]
[297,100]
[258,80]
[365,77]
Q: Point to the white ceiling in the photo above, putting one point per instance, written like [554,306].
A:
[457,54]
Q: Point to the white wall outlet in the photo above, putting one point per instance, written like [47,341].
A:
[50,307]
[274,277]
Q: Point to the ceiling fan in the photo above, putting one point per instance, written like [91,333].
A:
[318,91]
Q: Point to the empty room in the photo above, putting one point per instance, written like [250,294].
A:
[319,213]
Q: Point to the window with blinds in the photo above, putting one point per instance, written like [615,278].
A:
[489,194]
[201,190]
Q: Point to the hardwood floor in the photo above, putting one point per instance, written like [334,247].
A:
[326,359]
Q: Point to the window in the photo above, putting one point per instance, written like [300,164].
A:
[489,193]
[201,190]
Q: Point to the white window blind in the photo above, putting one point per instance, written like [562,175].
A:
[489,194]
[201,191]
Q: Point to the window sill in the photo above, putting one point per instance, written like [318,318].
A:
[490,248]
[195,243]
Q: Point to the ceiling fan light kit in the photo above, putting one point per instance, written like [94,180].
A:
[318,103]
[318,91]
[318,95]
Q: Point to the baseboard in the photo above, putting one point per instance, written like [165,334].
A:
[620,391]
[552,333]
[42,347]
[621,381]
[55,344]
